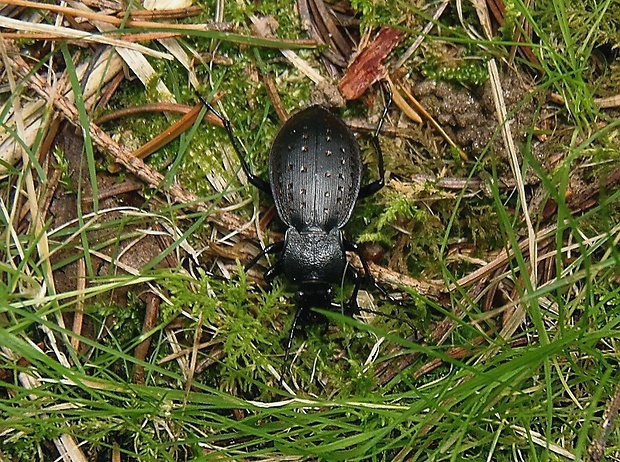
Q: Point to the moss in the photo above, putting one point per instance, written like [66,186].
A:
[463,72]
[238,319]
[123,323]
[24,449]
[512,17]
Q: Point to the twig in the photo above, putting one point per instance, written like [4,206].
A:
[150,320]
[272,92]
[216,28]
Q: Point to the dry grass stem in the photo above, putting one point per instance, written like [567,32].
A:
[72,34]
[502,116]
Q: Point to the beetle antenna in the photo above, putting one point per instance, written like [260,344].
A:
[385,110]
[252,178]
[376,185]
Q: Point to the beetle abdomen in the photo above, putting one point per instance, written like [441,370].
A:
[315,169]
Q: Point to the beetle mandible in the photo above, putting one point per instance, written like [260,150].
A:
[315,171]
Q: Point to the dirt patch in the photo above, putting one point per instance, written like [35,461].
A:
[469,116]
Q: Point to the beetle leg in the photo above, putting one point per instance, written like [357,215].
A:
[257,181]
[272,272]
[351,307]
[291,334]
[276,247]
[353,247]
[375,186]
[350,246]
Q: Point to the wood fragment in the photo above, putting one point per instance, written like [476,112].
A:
[609,102]
[602,103]
[433,290]
[367,67]
[115,190]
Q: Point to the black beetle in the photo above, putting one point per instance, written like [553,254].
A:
[315,171]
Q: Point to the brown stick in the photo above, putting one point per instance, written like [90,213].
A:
[150,320]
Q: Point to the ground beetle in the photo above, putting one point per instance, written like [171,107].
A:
[315,171]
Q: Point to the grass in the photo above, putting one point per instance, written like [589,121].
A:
[515,359]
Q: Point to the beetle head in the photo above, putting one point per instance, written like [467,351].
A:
[314,295]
